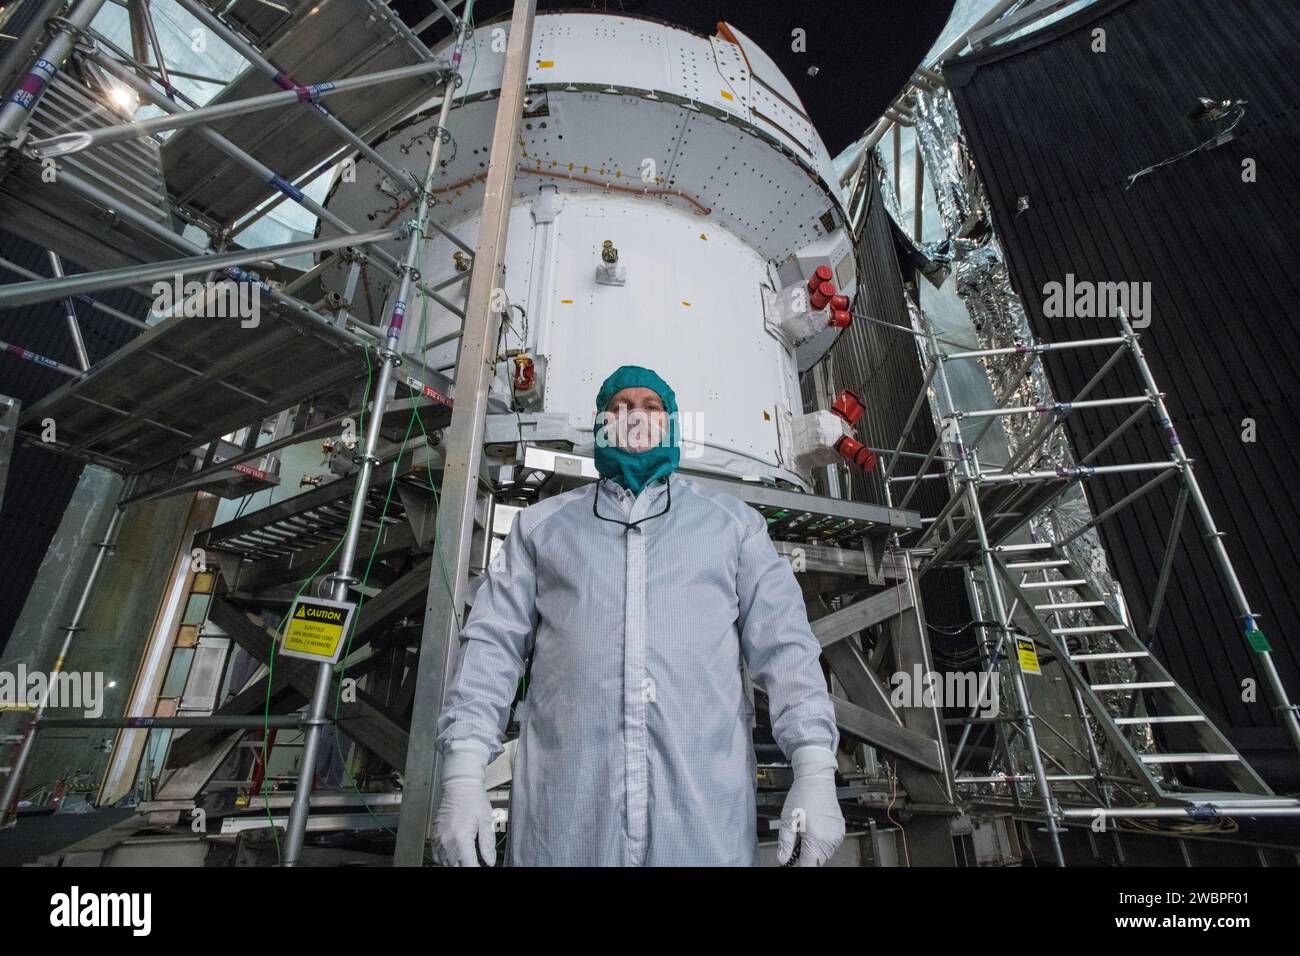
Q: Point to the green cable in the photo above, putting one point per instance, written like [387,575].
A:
[473,66]
[338,699]
[270,673]
[424,312]
[356,617]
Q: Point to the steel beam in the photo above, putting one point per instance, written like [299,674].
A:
[26,293]
[66,143]
[463,444]
[364,721]
[863,614]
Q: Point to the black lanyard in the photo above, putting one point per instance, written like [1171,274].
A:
[629,525]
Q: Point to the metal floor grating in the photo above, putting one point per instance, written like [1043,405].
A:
[327,40]
[311,519]
[189,380]
[1006,508]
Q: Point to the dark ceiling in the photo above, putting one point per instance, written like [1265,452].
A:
[864,50]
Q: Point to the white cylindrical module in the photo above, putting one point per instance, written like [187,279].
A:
[668,187]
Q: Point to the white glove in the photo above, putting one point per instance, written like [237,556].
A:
[464,813]
[811,811]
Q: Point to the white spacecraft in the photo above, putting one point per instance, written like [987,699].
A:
[673,208]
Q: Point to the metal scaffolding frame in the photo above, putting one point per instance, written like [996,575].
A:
[977,527]
[1087,633]
[448,575]
[282,539]
[861,584]
[13,781]
[74,32]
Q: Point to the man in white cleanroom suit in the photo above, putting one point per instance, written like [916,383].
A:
[639,599]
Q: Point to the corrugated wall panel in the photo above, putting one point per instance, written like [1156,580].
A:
[1057,130]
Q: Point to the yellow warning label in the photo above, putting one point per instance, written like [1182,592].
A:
[316,629]
[1028,656]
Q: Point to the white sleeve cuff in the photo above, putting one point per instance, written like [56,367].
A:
[812,759]
[464,759]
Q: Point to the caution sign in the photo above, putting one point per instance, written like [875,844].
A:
[317,629]
[1028,656]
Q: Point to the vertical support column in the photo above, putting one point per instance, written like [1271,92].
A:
[990,659]
[474,369]
[911,649]
[898,163]
[918,192]
[141,9]
[139,38]
[968,462]
[343,579]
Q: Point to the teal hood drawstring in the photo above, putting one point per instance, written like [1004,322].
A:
[632,469]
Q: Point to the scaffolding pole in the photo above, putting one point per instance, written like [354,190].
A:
[475,368]
[343,579]
[968,463]
[97,306]
[15,55]
[70,313]
[44,290]
[65,143]
[17,110]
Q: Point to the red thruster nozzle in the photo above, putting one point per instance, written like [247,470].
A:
[849,407]
[822,295]
[856,452]
[820,274]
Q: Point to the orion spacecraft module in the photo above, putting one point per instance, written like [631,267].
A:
[673,207]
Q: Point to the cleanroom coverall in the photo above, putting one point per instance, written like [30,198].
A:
[635,743]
